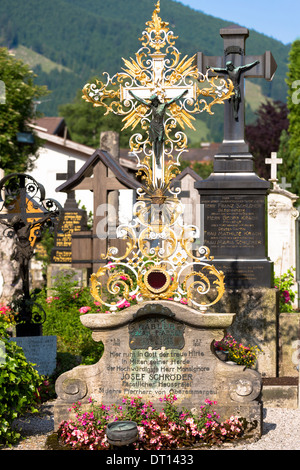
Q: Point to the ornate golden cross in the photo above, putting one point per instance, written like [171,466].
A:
[160,92]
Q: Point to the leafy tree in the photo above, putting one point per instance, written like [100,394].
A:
[293,81]
[290,168]
[264,135]
[85,122]
[202,169]
[17,111]
[289,149]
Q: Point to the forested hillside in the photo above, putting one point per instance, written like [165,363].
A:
[85,38]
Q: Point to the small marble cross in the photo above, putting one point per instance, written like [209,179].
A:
[274,162]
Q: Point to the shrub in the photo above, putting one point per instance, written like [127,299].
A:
[242,355]
[165,430]
[19,383]
[63,310]
[284,284]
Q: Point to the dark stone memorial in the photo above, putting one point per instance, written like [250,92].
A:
[234,197]
[234,200]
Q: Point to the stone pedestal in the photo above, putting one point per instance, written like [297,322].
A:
[256,324]
[289,344]
[156,348]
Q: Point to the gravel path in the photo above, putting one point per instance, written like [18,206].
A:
[281,431]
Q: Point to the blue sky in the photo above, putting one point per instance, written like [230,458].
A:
[276,18]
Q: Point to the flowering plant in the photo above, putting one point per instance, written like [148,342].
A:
[167,429]
[6,315]
[237,352]
[284,284]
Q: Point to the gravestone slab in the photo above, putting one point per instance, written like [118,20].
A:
[256,323]
[282,217]
[235,229]
[56,270]
[73,221]
[289,344]
[157,348]
[39,350]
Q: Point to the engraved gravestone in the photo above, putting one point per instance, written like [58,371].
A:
[234,197]
[159,348]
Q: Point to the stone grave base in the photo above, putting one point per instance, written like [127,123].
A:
[255,324]
[157,348]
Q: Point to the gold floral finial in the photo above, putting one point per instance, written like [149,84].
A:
[157,33]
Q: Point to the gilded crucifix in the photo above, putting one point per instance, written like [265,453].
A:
[160,91]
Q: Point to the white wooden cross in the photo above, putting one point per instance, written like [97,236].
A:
[274,162]
[159,87]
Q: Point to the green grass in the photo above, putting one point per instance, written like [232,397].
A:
[33,59]
[254,96]
[200,135]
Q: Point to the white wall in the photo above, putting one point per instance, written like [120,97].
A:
[53,159]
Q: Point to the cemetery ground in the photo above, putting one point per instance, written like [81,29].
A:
[75,345]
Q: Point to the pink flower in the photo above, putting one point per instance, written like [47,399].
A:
[183,301]
[123,304]
[84,309]
[50,299]
[4,309]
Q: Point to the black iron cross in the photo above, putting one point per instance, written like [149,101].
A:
[236,65]
[182,194]
[25,212]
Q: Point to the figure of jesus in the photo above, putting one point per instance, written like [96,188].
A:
[234,74]
[156,128]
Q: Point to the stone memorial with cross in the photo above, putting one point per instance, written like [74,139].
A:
[235,64]
[234,196]
[234,200]
[283,219]
[162,342]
